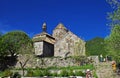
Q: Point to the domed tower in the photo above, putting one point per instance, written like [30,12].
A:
[59,31]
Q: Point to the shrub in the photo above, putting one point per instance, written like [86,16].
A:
[29,73]
[71,73]
[1,74]
[54,74]
[46,73]
[63,73]
[37,73]
[40,73]
[79,73]
[94,74]
[16,75]
[7,73]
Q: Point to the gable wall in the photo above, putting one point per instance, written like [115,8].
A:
[67,45]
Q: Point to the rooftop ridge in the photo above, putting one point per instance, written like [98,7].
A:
[60,26]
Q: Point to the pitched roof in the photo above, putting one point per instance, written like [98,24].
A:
[44,37]
[61,26]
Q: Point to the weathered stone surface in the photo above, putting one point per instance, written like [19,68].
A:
[44,45]
[59,32]
[44,37]
[64,43]
[69,45]
[44,48]
[45,62]
[38,46]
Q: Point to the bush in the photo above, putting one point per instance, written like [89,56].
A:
[79,73]
[94,74]
[29,73]
[63,73]
[54,74]
[7,73]
[16,75]
[46,73]
[40,73]
[1,74]
[37,73]
[71,73]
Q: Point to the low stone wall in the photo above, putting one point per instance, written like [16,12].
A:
[34,62]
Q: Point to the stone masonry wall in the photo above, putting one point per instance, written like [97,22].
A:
[44,48]
[38,47]
[67,46]
[45,62]
[59,33]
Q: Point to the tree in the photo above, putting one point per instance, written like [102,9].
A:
[1,34]
[113,43]
[114,16]
[2,49]
[23,65]
[13,42]
[113,40]
[95,46]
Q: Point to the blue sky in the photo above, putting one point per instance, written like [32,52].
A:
[85,18]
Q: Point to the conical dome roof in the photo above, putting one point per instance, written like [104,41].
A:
[61,26]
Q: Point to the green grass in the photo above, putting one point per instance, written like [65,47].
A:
[65,71]
[89,66]
[84,67]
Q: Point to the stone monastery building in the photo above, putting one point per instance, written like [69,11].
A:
[61,43]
